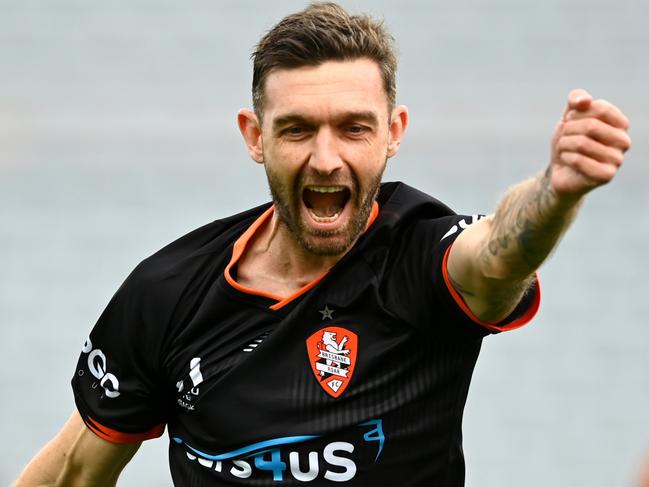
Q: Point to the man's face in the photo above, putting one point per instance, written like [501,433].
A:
[325,137]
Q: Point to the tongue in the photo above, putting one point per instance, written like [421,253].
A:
[324,205]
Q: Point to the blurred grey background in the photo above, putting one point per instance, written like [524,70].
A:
[118,134]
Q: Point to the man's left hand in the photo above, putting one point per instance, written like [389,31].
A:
[588,145]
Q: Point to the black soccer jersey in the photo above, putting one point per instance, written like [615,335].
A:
[359,378]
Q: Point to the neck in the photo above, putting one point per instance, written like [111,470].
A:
[275,262]
[283,258]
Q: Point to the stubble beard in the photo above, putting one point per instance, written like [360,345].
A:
[288,204]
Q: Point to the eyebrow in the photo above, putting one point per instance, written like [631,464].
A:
[284,120]
[361,116]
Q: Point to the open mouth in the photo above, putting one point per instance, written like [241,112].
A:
[325,203]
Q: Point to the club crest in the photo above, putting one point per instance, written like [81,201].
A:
[332,354]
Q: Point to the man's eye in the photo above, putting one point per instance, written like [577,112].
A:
[294,131]
[355,129]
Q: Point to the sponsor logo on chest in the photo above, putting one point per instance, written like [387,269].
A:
[293,457]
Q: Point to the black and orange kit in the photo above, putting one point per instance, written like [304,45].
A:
[359,378]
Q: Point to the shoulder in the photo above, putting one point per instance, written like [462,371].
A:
[183,267]
[407,209]
[408,221]
[207,244]
[169,283]
[399,200]
[406,212]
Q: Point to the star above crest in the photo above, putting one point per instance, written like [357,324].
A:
[327,313]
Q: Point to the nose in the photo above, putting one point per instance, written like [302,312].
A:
[325,156]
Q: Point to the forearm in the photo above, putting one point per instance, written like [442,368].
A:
[524,230]
[94,462]
[76,457]
[46,467]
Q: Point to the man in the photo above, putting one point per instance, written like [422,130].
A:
[329,337]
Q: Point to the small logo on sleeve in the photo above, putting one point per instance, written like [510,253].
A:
[462,224]
[97,367]
[333,352]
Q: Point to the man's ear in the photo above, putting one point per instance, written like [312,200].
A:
[398,124]
[251,132]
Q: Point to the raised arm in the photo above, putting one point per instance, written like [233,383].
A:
[76,457]
[492,261]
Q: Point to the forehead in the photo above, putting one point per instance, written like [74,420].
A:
[329,88]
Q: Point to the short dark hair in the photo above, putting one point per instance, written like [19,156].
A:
[323,31]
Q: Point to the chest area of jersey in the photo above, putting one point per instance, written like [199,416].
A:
[319,392]
[231,353]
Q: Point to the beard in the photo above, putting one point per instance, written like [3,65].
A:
[287,199]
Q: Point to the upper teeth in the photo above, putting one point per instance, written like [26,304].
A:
[326,189]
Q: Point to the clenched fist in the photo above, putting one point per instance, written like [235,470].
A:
[588,145]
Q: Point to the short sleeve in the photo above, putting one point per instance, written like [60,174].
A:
[116,383]
[420,289]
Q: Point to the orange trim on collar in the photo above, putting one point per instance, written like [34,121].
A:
[237,252]
[373,215]
[241,244]
[517,323]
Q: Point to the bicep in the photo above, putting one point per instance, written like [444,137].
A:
[77,457]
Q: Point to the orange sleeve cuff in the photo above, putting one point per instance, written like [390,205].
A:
[115,436]
[495,327]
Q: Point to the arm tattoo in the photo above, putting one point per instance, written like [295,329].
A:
[526,226]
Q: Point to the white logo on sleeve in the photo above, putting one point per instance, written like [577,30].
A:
[97,367]
[462,224]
